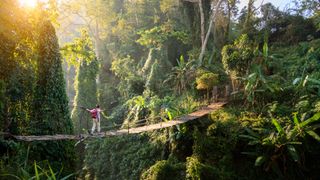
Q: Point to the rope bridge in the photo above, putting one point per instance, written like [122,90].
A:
[128,130]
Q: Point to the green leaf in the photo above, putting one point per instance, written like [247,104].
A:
[305,81]
[53,175]
[181,60]
[303,116]
[24,173]
[37,176]
[260,160]
[294,143]
[278,126]
[314,135]
[250,153]
[293,152]
[10,175]
[295,119]
[314,81]
[310,120]
[265,50]
[67,177]
[252,133]
[252,75]
[248,137]
[169,114]
[27,158]
[251,143]
[267,142]
[295,81]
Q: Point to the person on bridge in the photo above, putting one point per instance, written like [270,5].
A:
[95,115]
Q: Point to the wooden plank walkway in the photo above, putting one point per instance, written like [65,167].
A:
[183,119]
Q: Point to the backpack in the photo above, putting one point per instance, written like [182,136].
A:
[94,113]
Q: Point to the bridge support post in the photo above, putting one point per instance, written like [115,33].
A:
[128,128]
[227,92]
[215,94]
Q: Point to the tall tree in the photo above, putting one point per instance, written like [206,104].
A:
[16,78]
[81,54]
[50,111]
[85,83]
[201,21]
[249,16]
[51,106]
[211,23]
[86,93]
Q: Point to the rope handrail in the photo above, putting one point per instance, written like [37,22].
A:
[139,121]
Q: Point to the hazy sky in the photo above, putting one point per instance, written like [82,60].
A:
[278,3]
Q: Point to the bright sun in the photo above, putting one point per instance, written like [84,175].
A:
[28,3]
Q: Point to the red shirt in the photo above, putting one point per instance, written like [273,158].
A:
[94,113]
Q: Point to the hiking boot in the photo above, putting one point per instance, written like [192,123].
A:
[90,132]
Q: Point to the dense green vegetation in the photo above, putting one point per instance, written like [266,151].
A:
[33,90]
[80,54]
[151,59]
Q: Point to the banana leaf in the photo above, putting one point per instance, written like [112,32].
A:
[260,160]
[314,135]
[278,126]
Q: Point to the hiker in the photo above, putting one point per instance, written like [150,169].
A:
[95,115]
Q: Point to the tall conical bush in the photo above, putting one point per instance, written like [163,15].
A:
[50,112]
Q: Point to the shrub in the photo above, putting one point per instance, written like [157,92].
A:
[237,57]
[120,157]
[207,81]
[164,169]
[282,149]
[197,170]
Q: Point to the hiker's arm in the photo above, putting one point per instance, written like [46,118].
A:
[100,110]
[105,116]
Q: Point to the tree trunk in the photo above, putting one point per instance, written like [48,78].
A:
[249,15]
[97,39]
[227,92]
[201,22]
[215,94]
[228,22]
[203,47]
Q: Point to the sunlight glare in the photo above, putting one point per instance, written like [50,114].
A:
[28,3]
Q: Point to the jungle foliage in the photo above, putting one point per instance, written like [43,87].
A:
[150,60]
[81,55]
[272,67]
[34,99]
